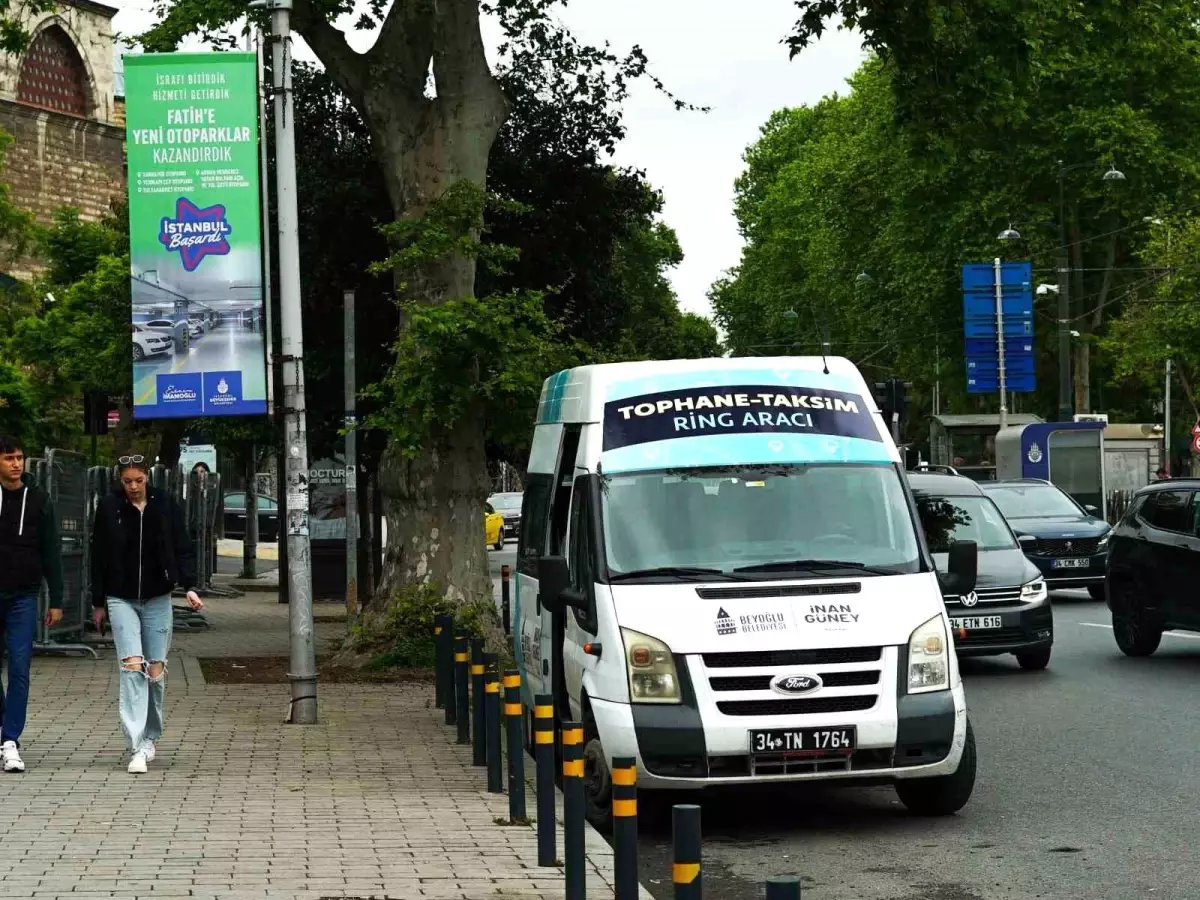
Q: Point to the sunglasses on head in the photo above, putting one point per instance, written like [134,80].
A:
[131,460]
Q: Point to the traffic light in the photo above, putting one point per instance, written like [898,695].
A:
[95,412]
[892,398]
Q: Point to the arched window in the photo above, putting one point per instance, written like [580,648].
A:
[53,75]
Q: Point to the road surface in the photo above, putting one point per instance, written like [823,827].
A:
[1087,789]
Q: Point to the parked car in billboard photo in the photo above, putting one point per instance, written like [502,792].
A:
[148,343]
[179,331]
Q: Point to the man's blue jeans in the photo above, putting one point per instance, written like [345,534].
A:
[18,624]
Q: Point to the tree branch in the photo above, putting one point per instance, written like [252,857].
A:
[346,66]
[1110,256]
[405,45]
[460,65]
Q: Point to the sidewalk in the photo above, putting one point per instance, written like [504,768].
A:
[375,801]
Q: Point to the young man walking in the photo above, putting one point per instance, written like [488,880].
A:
[29,553]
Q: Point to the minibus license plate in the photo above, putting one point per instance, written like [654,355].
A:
[817,741]
[973,622]
[1070,563]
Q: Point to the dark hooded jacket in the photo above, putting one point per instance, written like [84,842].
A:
[139,555]
[30,549]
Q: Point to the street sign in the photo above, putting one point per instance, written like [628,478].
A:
[1196,444]
[980,327]
[1196,428]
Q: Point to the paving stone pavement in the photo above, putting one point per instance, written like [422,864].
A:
[375,801]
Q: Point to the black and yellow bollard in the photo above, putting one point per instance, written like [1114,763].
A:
[491,701]
[462,691]
[479,754]
[439,661]
[506,598]
[543,751]
[448,702]
[685,825]
[783,887]
[573,811]
[625,829]
[514,724]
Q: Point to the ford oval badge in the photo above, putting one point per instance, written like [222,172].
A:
[796,684]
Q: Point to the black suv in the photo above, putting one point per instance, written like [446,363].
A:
[1154,565]
[1009,610]
[1067,542]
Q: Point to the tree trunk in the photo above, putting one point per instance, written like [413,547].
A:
[1083,377]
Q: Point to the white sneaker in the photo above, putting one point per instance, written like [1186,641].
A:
[148,751]
[10,758]
[137,765]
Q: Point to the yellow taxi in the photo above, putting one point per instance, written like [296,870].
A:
[493,527]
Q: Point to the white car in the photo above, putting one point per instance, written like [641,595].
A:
[149,343]
[180,332]
[195,327]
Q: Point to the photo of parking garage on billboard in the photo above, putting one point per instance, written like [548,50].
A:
[198,331]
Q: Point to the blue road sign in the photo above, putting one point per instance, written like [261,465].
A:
[1016,384]
[979,327]
[982,277]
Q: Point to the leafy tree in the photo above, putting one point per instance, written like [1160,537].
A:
[953,130]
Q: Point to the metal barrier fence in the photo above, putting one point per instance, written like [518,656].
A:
[76,492]
[1118,503]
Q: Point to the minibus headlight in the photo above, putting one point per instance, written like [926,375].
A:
[928,663]
[652,675]
[1034,591]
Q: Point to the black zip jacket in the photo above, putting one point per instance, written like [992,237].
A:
[139,555]
[30,549]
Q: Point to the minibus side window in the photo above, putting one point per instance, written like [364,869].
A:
[534,513]
[581,555]
[560,509]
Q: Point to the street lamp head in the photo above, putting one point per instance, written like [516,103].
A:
[864,278]
[1009,234]
[790,315]
[1114,174]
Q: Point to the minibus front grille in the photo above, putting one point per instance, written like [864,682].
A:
[766,659]
[796,707]
[778,590]
[763,682]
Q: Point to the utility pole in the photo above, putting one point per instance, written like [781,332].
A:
[303,662]
[1065,405]
[1167,422]
[353,608]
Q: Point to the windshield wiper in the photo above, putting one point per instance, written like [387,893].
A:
[806,565]
[691,572]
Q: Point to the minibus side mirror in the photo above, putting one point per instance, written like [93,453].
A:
[553,579]
[962,568]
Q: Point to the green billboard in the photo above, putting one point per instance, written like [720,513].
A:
[194,235]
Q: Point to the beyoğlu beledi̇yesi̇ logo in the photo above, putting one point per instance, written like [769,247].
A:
[195,233]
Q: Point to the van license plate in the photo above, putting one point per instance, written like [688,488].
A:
[815,741]
[971,623]
[1070,563]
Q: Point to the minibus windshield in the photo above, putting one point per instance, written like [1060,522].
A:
[798,521]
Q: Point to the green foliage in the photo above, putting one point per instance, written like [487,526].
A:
[951,132]
[18,408]
[401,632]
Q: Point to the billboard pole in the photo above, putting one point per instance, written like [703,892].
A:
[353,607]
[303,664]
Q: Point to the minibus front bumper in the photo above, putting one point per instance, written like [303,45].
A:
[695,745]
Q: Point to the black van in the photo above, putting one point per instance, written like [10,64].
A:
[1009,610]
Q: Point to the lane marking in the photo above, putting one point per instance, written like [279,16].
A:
[1187,636]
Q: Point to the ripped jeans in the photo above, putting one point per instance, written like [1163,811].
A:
[142,632]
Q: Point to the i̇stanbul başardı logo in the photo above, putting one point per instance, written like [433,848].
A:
[195,233]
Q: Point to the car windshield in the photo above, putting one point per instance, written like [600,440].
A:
[802,520]
[1032,501]
[949,519]
[506,502]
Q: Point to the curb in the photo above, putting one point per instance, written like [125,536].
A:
[192,673]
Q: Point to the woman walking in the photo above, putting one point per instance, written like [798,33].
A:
[140,552]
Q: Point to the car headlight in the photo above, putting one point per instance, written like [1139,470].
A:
[928,663]
[652,675]
[1103,541]
[1034,591]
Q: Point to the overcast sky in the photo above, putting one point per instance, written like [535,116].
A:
[716,53]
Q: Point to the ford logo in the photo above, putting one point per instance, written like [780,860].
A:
[796,684]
